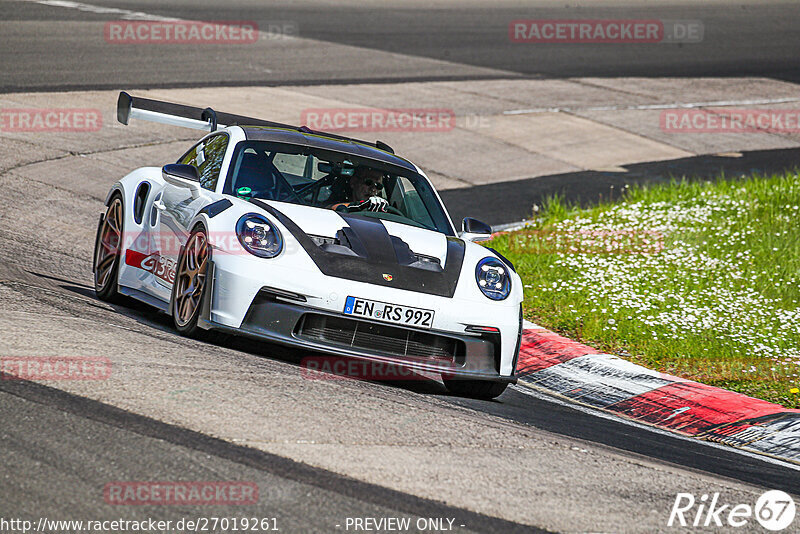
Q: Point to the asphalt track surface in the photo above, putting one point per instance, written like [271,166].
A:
[59,448]
[70,469]
[48,47]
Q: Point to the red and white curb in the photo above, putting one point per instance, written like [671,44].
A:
[569,369]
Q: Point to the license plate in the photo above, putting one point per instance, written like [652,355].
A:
[389,313]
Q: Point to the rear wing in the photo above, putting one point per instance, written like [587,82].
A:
[130,107]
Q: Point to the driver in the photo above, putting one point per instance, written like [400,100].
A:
[365,187]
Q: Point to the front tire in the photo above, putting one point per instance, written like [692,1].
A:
[476,389]
[108,251]
[191,284]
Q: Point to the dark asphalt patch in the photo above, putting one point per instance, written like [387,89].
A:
[284,468]
[508,202]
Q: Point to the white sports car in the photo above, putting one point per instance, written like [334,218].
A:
[311,240]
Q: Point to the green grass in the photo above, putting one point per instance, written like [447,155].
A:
[696,279]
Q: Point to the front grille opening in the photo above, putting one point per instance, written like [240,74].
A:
[381,339]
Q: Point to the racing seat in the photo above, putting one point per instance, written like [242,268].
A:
[257,173]
[339,191]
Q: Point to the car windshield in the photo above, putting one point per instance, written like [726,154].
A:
[333,180]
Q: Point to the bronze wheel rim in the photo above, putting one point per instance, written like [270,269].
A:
[191,279]
[108,245]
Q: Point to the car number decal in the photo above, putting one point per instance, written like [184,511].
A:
[160,266]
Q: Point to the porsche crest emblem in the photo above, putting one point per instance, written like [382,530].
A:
[387,277]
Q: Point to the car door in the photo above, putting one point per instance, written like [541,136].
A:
[177,207]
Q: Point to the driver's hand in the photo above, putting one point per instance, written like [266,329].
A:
[373,203]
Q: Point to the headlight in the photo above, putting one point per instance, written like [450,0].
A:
[493,278]
[258,236]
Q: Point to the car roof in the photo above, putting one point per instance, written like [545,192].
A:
[321,141]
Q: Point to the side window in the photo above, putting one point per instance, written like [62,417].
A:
[207,157]
[188,158]
[290,164]
[298,169]
[208,160]
[406,198]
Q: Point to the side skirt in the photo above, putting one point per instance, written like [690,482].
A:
[144,297]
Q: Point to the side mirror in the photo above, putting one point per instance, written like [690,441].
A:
[475,230]
[182,175]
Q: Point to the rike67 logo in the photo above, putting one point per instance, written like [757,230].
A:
[774,510]
[160,266]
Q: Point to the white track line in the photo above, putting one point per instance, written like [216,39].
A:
[674,105]
[532,391]
[125,14]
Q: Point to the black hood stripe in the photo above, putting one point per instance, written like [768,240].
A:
[380,260]
[373,236]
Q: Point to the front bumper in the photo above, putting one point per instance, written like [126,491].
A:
[280,317]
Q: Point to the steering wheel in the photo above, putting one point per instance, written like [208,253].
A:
[394,211]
